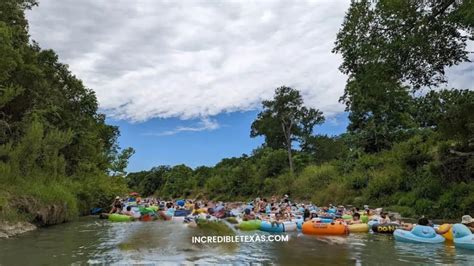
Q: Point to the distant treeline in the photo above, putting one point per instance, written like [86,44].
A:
[409,145]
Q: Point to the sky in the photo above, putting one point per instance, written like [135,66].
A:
[184,79]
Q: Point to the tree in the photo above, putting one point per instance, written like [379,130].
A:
[284,120]
[390,48]
[323,148]
[121,162]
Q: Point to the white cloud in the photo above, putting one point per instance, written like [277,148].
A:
[206,124]
[195,59]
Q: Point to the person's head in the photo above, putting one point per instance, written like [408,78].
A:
[247,211]
[129,208]
[423,221]
[356,216]
[383,215]
[169,205]
[467,220]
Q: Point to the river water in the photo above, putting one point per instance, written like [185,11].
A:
[92,241]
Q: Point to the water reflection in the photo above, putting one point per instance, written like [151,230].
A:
[97,242]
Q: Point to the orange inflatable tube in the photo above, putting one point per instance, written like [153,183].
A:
[316,228]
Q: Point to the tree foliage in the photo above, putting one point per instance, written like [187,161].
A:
[392,48]
[50,129]
[284,119]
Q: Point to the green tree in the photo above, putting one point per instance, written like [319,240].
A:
[390,48]
[121,162]
[284,120]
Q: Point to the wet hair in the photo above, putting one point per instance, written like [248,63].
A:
[356,215]
[169,205]
[129,208]
[247,211]
[423,221]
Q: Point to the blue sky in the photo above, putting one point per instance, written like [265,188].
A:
[157,142]
[183,79]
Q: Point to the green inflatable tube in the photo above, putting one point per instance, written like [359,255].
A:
[364,218]
[154,208]
[114,217]
[250,225]
[346,217]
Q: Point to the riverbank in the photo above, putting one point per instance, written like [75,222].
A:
[8,229]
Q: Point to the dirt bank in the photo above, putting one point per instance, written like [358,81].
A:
[8,229]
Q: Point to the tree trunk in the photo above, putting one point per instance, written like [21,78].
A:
[287,133]
[290,159]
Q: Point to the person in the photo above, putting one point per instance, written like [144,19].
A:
[277,220]
[384,219]
[313,215]
[128,211]
[116,205]
[425,222]
[248,215]
[306,214]
[468,221]
[356,219]
[169,213]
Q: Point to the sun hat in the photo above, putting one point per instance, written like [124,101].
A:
[467,219]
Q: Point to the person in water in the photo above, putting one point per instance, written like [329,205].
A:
[425,222]
[306,214]
[468,221]
[355,219]
[169,213]
[248,215]
[384,219]
[116,205]
[128,211]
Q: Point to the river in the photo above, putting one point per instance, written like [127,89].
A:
[89,240]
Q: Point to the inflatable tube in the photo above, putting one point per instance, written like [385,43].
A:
[147,210]
[384,228]
[202,210]
[419,234]
[272,228]
[315,228]
[95,211]
[299,223]
[146,218]
[178,219]
[154,208]
[249,225]
[462,237]
[290,226]
[346,217]
[364,218]
[182,212]
[115,217]
[449,234]
[358,228]
[326,220]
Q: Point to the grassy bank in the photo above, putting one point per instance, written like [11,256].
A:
[48,204]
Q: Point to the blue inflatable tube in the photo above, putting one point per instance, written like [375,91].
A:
[275,228]
[463,237]
[326,220]
[419,234]
[299,223]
